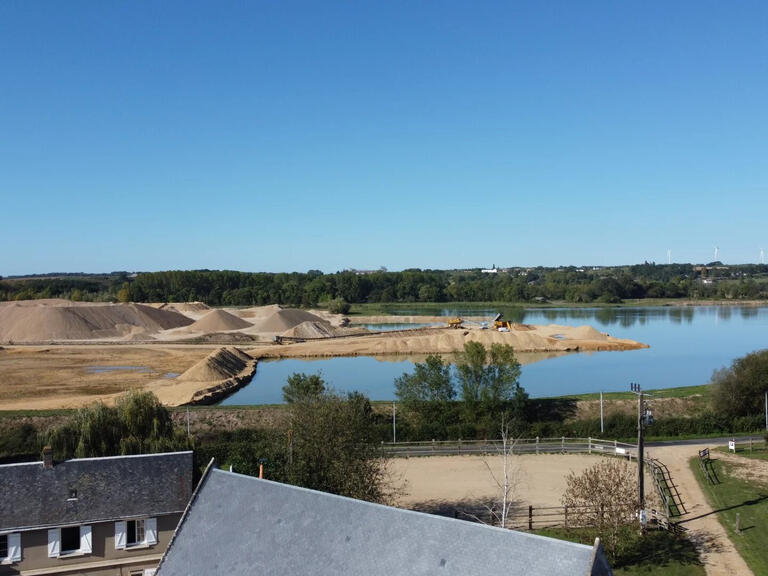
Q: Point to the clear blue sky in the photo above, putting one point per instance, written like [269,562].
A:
[283,136]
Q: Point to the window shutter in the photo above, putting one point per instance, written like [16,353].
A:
[85,540]
[14,547]
[54,544]
[120,528]
[150,530]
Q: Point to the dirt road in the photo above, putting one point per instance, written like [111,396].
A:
[717,551]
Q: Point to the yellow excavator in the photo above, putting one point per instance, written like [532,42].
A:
[501,325]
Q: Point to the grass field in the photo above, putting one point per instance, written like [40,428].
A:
[758,450]
[681,392]
[658,553]
[748,498]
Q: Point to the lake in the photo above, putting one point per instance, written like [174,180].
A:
[687,344]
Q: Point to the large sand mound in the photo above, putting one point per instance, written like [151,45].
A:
[220,365]
[185,307]
[62,320]
[259,311]
[218,321]
[284,319]
[310,330]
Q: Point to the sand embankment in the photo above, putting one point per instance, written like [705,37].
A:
[53,320]
[212,378]
[523,338]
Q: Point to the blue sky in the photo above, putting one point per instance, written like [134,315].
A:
[283,136]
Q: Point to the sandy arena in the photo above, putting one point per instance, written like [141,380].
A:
[453,481]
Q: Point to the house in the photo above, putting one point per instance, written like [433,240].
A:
[92,516]
[239,525]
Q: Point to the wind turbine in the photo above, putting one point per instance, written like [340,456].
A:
[717,252]
[762,256]
[669,256]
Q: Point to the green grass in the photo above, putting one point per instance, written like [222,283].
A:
[749,499]
[28,413]
[680,392]
[658,553]
[759,450]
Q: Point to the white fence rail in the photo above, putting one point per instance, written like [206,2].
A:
[561,445]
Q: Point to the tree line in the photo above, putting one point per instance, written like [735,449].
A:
[571,284]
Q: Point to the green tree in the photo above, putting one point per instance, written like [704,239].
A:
[332,446]
[489,380]
[427,394]
[740,389]
[137,424]
[338,306]
[145,424]
[302,387]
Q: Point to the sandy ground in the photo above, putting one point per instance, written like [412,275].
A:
[35,378]
[443,480]
[550,338]
[540,480]
[60,354]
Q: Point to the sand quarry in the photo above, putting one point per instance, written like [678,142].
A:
[60,354]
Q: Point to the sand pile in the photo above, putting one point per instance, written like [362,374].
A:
[223,364]
[259,311]
[33,321]
[218,321]
[185,307]
[284,319]
[310,329]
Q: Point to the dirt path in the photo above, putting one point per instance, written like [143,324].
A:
[717,551]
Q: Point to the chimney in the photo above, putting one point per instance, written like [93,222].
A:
[47,457]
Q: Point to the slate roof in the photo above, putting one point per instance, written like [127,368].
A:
[107,489]
[239,525]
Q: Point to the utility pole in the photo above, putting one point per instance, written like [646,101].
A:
[602,427]
[394,423]
[766,411]
[640,446]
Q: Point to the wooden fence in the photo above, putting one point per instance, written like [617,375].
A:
[706,465]
[533,518]
[561,445]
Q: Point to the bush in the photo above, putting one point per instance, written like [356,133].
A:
[338,306]
[739,390]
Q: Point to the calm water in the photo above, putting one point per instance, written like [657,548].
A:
[687,344]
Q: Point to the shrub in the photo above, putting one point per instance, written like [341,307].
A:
[338,306]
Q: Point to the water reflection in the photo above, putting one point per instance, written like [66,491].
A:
[686,344]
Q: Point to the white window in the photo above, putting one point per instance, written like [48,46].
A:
[69,541]
[134,533]
[10,548]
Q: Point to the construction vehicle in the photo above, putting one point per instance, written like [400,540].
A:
[501,325]
[455,322]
